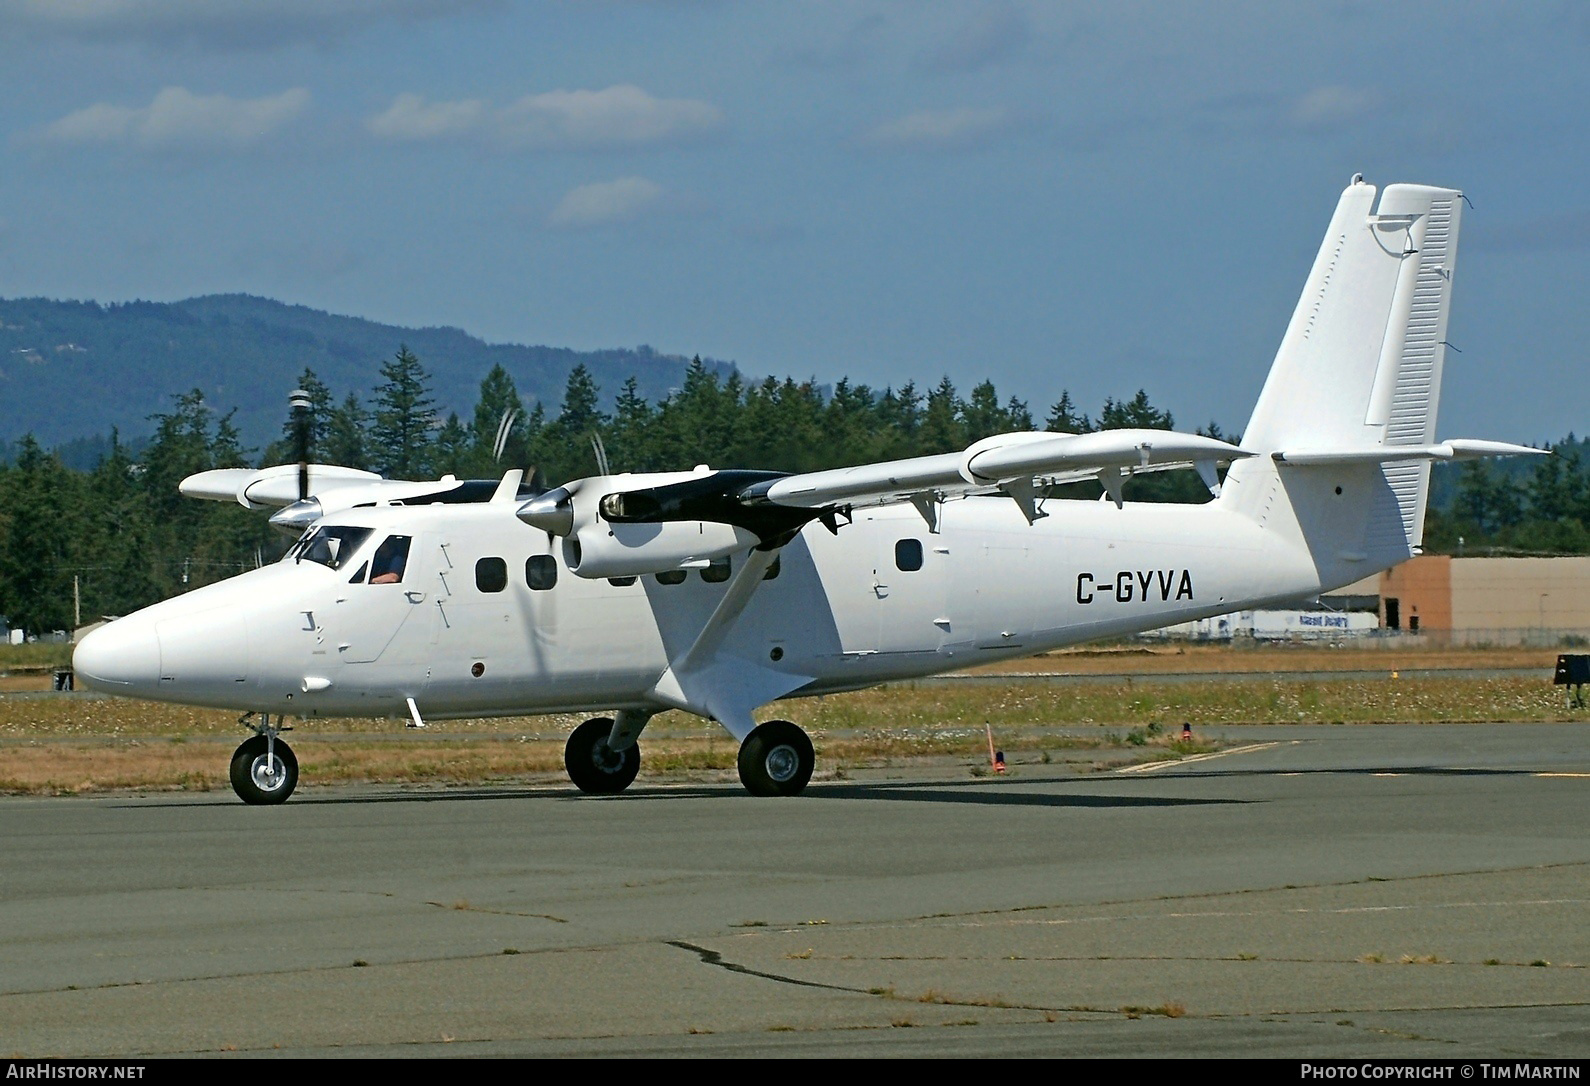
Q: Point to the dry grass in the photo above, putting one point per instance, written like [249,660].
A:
[80,743]
[1260,658]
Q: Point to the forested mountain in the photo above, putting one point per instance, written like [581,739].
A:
[75,370]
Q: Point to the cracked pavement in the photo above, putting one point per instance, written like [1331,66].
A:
[1389,891]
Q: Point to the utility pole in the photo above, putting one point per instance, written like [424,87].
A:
[77,604]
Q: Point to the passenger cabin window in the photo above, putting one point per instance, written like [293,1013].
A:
[491,575]
[716,571]
[672,576]
[391,558]
[329,545]
[908,554]
[541,572]
[773,570]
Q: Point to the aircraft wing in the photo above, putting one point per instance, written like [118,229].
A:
[274,486]
[771,506]
[330,489]
[1018,461]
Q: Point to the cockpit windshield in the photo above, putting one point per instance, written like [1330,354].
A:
[329,545]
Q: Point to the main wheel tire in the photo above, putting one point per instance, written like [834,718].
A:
[776,760]
[260,779]
[593,766]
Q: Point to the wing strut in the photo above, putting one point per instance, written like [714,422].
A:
[727,688]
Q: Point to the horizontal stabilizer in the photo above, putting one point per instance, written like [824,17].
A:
[1456,449]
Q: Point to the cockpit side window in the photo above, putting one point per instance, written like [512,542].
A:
[330,545]
[390,560]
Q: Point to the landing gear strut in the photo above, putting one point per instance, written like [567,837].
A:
[264,769]
[776,760]
[594,766]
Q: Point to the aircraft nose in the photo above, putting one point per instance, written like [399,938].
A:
[119,656]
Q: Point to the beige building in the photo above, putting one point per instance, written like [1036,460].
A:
[1487,599]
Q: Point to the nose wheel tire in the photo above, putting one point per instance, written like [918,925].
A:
[776,760]
[595,767]
[264,773]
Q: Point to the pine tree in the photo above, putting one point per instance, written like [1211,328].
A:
[346,429]
[1063,417]
[401,435]
[628,446]
[982,415]
[43,514]
[1134,414]
[498,398]
[116,556]
[285,449]
[580,414]
[942,430]
[452,450]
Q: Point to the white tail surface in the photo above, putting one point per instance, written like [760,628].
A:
[1359,369]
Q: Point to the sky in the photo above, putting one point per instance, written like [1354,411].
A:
[1095,197]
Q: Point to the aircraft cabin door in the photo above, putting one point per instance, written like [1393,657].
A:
[380,599]
[910,573]
[1002,570]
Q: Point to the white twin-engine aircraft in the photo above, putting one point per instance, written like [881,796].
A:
[720,592]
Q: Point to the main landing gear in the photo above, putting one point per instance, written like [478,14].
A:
[594,766]
[776,759]
[264,769]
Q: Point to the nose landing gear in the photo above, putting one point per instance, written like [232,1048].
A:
[264,769]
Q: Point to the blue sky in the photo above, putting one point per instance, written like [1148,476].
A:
[1097,197]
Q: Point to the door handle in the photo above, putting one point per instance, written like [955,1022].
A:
[415,597]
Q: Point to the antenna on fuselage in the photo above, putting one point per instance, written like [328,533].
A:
[601,454]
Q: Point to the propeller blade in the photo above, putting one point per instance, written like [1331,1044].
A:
[301,405]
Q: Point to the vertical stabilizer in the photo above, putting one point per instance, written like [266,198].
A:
[1360,366]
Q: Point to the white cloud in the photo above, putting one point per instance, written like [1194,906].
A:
[178,118]
[238,24]
[945,129]
[605,203]
[619,116]
[410,119]
[1328,107]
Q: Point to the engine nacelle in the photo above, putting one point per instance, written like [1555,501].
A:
[598,548]
[595,546]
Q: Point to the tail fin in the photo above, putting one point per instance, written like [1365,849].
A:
[1358,376]
[1360,365]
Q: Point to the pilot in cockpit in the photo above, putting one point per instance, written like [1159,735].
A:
[390,558]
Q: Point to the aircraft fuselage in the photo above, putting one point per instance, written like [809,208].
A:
[883,599]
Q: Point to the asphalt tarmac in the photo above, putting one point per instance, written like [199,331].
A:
[1357,891]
